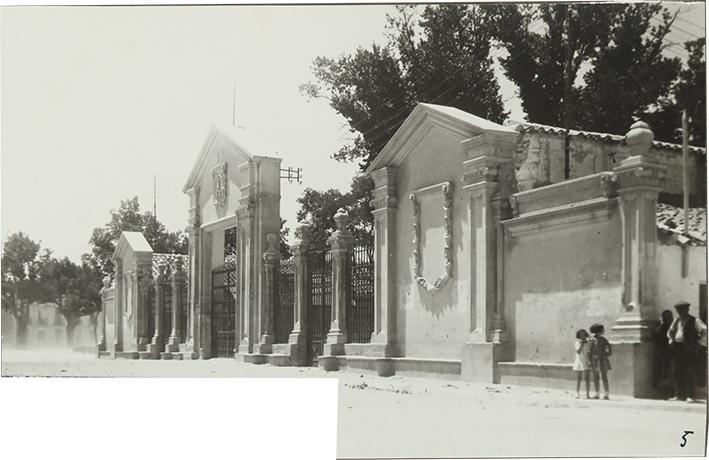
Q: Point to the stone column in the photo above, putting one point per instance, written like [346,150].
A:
[118,308]
[271,258]
[247,279]
[191,347]
[156,345]
[177,283]
[384,207]
[640,181]
[341,250]
[101,320]
[297,340]
[489,179]
[144,281]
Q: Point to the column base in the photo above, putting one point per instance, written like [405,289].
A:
[329,363]
[631,376]
[187,351]
[265,346]
[297,349]
[479,361]
[632,329]
[335,344]
[173,344]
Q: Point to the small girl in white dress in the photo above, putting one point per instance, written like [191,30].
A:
[582,362]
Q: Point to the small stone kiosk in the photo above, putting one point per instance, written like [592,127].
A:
[234,205]
[487,260]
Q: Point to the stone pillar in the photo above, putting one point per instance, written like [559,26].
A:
[297,340]
[157,343]
[177,283]
[384,205]
[247,279]
[101,320]
[341,251]
[271,258]
[118,308]
[191,347]
[489,179]
[640,178]
[144,281]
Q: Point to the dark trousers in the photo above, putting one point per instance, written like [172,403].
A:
[685,360]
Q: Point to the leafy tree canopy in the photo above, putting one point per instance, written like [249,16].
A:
[443,58]
[128,218]
[20,266]
[319,209]
[73,288]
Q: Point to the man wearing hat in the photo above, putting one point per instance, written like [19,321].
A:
[685,336]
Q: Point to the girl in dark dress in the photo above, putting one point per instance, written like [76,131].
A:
[600,364]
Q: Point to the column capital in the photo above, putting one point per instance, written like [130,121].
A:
[385,189]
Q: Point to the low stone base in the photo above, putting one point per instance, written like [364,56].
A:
[415,367]
[380,350]
[328,363]
[251,358]
[279,360]
[148,355]
[478,361]
[545,375]
[632,375]
[166,355]
[126,355]
[172,347]
[177,356]
[104,354]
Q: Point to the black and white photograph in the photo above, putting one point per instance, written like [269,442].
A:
[349,230]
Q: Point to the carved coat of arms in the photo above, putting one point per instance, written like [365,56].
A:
[220,186]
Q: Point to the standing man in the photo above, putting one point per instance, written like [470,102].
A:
[685,335]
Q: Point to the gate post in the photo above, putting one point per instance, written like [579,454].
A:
[271,264]
[101,339]
[118,308]
[341,251]
[156,345]
[177,281]
[297,341]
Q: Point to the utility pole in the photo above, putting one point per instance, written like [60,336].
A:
[685,195]
[155,194]
[292,174]
[567,92]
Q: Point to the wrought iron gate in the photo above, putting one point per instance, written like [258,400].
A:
[224,300]
[320,265]
[360,308]
[285,297]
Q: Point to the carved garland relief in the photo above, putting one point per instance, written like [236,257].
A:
[447,189]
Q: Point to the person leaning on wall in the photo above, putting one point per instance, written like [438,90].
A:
[662,378]
[686,336]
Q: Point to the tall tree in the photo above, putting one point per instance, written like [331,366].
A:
[630,74]
[319,209]
[128,218]
[617,68]
[20,265]
[690,92]
[441,57]
[73,289]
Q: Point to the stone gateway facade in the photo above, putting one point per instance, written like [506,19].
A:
[485,262]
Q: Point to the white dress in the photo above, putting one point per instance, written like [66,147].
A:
[582,361]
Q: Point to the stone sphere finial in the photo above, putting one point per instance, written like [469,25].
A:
[272,242]
[639,138]
[341,219]
[302,231]
[107,281]
[178,263]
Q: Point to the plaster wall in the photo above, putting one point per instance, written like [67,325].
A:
[671,286]
[432,324]
[558,280]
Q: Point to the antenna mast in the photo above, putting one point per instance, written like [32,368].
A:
[155,194]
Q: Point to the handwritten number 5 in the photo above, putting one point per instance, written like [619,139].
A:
[684,438]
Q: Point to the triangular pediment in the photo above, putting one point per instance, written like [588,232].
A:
[217,139]
[131,242]
[420,121]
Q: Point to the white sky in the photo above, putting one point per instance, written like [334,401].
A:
[97,100]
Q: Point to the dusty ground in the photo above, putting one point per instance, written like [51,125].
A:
[417,417]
